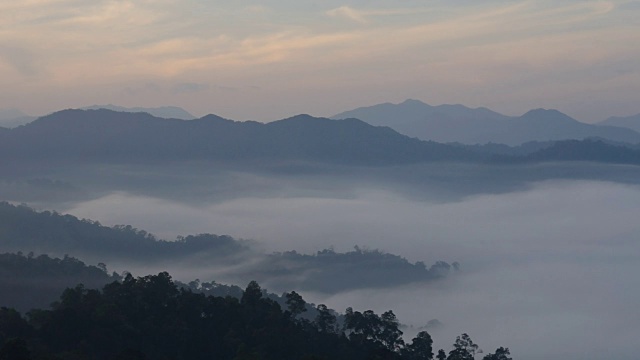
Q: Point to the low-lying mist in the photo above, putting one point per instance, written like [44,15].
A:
[549,271]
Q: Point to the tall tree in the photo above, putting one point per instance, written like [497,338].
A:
[325,320]
[500,354]
[390,334]
[421,347]
[295,303]
[464,349]
[252,294]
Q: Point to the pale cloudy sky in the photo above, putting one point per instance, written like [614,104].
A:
[272,59]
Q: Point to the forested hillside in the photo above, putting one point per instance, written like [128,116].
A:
[23,229]
[151,318]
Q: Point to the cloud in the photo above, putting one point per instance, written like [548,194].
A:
[348,13]
[185,88]
[630,5]
[21,60]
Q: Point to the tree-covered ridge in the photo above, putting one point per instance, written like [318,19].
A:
[23,229]
[30,281]
[151,318]
[35,281]
[359,268]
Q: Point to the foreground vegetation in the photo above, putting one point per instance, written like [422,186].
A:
[152,318]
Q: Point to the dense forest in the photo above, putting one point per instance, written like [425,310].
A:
[152,318]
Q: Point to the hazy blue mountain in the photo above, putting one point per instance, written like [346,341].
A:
[550,125]
[586,150]
[104,135]
[502,149]
[167,112]
[443,123]
[630,122]
[457,123]
[10,118]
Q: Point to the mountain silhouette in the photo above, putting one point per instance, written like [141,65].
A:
[630,122]
[109,136]
[457,123]
[167,112]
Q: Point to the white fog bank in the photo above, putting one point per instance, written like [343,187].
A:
[550,272]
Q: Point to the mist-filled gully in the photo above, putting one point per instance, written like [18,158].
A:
[541,268]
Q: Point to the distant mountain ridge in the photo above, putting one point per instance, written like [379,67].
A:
[105,135]
[630,122]
[457,123]
[166,112]
[10,118]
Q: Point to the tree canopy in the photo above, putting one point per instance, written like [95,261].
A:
[151,317]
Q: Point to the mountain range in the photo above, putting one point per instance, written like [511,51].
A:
[631,122]
[10,118]
[105,135]
[458,123]
[166,112]
[95,136]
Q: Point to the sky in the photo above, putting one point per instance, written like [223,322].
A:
[273,59]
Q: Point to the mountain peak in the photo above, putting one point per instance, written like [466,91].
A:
[214,118]
[301,117]
[412,102]
[542,111]
[167,112]
[547,114]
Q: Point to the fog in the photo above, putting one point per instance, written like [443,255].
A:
[549,271]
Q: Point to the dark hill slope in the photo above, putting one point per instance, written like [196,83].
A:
[23,229]
[107,136]
[28,282]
